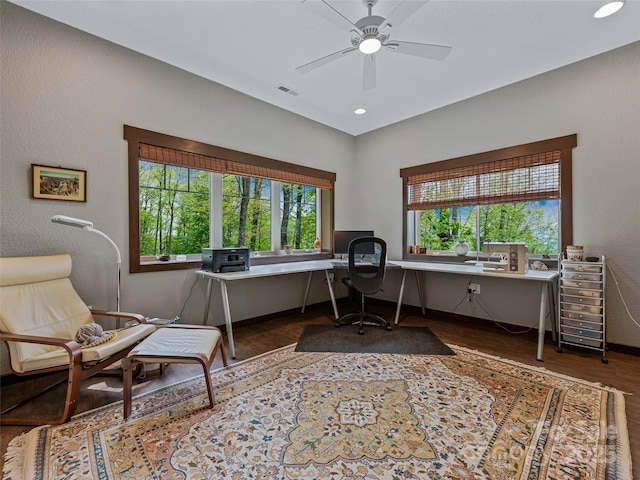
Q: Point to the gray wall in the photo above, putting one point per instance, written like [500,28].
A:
[65,98]
[66,95]
[599,99]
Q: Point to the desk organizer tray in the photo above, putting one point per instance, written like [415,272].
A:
[582,300]
[580,267]
[588,342]
[591,277]
[581,324]
[581,292]
[595,310]
[581,284]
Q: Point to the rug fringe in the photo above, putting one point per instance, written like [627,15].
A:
[623,450]
[14,466]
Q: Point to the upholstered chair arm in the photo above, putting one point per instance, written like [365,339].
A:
[71,346]
[134,316]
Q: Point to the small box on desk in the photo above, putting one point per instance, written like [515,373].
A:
[219,260]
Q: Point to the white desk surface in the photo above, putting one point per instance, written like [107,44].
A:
[256,271]
[460,268]
[325,264]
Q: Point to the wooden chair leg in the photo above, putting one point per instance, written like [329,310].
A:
[127,381]
[207,377]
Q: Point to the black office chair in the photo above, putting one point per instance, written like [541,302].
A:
[367,259]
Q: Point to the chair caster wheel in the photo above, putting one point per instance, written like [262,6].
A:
[361,332]
[605,360]
[389,327]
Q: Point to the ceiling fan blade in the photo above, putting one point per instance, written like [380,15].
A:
[369,72]
[306,68]
[424,50]
[403,11]
[322,8]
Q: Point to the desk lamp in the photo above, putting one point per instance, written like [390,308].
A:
[88,227]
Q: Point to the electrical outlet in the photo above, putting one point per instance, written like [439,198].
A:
[331,278]
[474,288]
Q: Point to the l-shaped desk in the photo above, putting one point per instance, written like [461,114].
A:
[546,279]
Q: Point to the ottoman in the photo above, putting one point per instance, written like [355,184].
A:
[174,344]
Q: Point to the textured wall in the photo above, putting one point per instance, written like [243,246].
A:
[599,99]
[66,96]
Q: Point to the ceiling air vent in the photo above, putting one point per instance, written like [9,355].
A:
[285,89]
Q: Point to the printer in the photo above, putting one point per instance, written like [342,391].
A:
[219,260]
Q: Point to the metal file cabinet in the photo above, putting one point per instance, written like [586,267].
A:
[581,309]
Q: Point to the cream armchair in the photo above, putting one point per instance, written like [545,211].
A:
[40,313]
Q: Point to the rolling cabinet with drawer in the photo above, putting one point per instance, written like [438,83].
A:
[581,309]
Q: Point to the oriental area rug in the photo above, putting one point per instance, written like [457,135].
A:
[363,416]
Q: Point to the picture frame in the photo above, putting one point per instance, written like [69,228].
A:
[59,183]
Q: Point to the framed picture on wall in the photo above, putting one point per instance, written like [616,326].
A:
[58,183]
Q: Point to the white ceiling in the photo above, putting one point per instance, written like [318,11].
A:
[254,46]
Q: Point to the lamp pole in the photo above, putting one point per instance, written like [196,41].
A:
[87,226]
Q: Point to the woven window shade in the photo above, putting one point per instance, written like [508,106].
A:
[519,179]
[171,156]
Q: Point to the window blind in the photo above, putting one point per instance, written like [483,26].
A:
[172,156]
[518,179]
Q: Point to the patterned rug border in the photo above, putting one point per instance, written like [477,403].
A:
[15,453]
[539,369]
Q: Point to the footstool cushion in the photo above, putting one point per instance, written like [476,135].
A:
[175,344]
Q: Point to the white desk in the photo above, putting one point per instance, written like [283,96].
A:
[546,278]
[258,271]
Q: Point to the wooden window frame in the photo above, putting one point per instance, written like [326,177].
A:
[564,145]
[199,155]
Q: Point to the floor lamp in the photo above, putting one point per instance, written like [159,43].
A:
[88,227]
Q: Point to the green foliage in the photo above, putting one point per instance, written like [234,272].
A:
[174,209]
[298,216]
[440,229]
[242,197]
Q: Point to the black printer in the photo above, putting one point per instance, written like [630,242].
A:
[221,260]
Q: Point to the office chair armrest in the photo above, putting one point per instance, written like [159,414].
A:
[134,316]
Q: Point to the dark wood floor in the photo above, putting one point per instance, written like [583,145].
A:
[622,371]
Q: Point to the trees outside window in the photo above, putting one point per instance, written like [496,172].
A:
[515,194]
[246,213]
[186,195]
[534,223]
[174,209]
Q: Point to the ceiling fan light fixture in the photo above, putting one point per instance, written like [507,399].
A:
[370,45]
[609,8]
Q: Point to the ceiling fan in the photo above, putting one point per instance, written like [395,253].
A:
[372,32]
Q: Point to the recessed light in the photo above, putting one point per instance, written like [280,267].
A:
[360,111]
[609,8]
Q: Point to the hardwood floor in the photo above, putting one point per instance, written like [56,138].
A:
[622,372]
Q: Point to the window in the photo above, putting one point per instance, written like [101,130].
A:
[186,195]
[516,194]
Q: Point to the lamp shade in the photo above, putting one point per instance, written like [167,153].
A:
[71,221]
